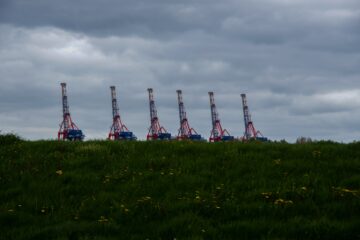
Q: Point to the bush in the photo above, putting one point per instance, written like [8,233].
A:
[9,138]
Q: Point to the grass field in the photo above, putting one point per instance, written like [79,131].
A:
[182,190]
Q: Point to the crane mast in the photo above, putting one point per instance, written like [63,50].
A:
[115,108]
[66,113]
[216,126]
[249,127]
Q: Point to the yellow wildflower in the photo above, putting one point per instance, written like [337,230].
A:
[266,195]
[316,153]
[283,202]
[277,161]
[103,219]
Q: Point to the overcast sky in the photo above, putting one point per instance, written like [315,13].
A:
[298,61]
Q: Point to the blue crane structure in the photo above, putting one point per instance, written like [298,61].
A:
[185,131]
[250,131]
[118,130]
[156,131]
[68,129]
[217,133]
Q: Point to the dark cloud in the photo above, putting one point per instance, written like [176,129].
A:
[297,61]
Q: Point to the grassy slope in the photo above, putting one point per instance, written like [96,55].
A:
[139,190]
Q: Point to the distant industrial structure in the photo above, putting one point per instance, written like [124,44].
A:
[68,129]
[185,131]
[250,131]
[118,130]
[217,133]
[156,131]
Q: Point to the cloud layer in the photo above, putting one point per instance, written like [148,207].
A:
[298,62]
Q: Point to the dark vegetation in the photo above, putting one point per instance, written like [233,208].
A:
[182,190]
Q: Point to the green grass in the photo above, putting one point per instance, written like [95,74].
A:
[167,190]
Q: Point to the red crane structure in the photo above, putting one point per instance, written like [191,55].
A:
[156,131]
[250,131]
[68,129]
[185,131]
[217,133]
[118,130]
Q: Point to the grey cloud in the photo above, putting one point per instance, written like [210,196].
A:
[296,60]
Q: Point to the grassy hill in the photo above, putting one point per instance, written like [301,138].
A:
[182,190]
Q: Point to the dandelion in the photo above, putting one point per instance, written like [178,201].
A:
[266,195]
[43,211]
[277,161]
[282,202]
[144,199]
[348,190]
[316,153]
[343,191]
[11,210]
[103,219]
[303,188]
[107,179]
[59,172]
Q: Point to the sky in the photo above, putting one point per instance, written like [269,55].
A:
[298,61]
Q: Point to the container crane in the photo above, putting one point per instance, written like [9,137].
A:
[217,133]
[185,131]
[250,131]
[118,130]
[68,129]
[156,131]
